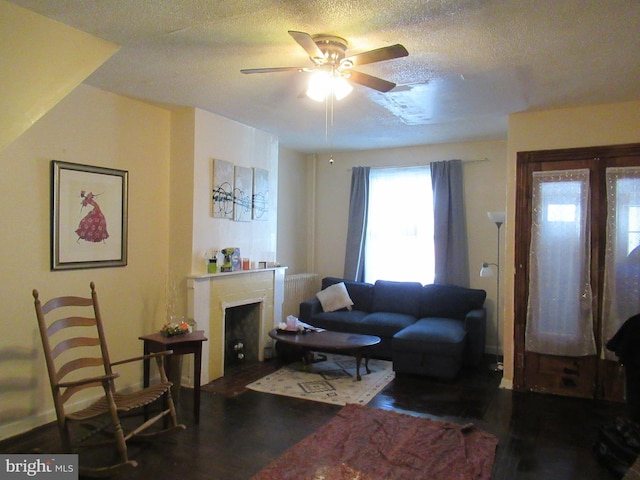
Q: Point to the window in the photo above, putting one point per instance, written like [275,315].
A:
[561,213]
[399,239]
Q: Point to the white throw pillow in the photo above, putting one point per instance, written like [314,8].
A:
[334,298]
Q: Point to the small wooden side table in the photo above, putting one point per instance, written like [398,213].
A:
[181,345]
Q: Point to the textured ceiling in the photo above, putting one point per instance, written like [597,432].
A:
[470,63]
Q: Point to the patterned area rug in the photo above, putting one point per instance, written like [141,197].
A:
[331,381]
[372,444]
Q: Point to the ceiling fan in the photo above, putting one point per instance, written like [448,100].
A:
[328,54]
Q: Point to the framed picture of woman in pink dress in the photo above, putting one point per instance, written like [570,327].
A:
[88,216]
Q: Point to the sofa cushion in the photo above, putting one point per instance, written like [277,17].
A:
[334,298]
[386,324]
[361,293]
[340,321]
[397,297]
[450,301]
[439,336]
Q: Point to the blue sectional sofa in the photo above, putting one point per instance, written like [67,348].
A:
[431,330]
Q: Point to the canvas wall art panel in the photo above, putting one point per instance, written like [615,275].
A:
[242,193]
[222,195]
[260,201]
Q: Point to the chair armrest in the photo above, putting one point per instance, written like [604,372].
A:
[143,357]
[86,381]
[159,361]
[309,308]
[475,323]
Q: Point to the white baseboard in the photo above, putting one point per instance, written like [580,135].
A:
[26,424]
[506,383]
[38,419]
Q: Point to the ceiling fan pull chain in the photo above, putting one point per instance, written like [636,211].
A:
[332,99]
[331,133]
[326,119]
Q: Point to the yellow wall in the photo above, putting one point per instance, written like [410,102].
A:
[170,225]
[31,81]
[484,190]
[295,210]
[181,206]
[92,127]
[567,128]
[168,156]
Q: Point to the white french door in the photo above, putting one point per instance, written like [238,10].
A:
[577,267]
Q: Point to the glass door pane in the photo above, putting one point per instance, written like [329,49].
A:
[559,313]
[622,257]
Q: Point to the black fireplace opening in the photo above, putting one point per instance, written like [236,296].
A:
[241,335]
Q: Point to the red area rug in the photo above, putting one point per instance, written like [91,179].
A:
[372,444]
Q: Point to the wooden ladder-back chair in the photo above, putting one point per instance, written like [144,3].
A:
[77,358]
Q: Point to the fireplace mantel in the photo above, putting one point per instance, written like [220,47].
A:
[209,295]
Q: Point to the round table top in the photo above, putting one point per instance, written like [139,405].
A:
[325,339]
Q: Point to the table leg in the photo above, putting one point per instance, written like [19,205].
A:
[358,356]
[197,368]
[145,376]
[366,363]
[167,367]
[166,364]
[145,366]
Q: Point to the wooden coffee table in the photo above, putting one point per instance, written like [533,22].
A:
[330,342]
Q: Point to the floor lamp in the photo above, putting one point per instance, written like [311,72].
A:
[486,271]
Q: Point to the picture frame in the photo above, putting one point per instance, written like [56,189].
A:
[89,216]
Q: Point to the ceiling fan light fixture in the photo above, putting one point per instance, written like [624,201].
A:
[323,83]
[328,55]
[341,88]
[319,86]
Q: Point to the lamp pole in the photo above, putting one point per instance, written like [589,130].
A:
[499,366]
[498,218]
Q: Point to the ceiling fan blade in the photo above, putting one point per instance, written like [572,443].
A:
[272,70]
[377,55]
[371,81]
[306,41]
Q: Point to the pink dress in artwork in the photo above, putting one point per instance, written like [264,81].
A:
[93,227]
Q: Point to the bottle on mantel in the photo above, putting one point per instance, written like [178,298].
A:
[212,263]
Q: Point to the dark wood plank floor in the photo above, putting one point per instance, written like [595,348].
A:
[540,436]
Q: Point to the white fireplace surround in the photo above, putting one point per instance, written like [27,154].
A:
[209,296]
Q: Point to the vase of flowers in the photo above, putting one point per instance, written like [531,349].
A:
[172,328]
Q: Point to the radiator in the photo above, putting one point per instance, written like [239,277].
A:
[298,287]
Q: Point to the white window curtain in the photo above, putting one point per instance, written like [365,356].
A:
[559,316]
[622,258]
[399,236]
